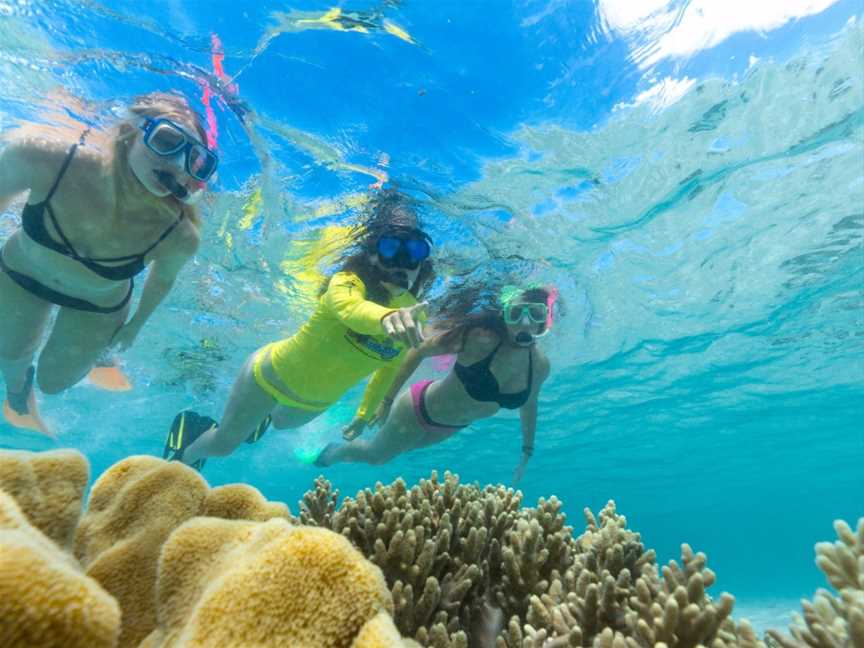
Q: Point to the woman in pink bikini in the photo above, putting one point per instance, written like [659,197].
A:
[497,365]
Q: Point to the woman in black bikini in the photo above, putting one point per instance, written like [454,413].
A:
[497,365]
[98,212]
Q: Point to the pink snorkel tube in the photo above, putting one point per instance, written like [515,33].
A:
[550,307]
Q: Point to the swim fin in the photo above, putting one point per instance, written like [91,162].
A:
[312,457]
[108,375]
[260,430]
[185,430]
[19,408]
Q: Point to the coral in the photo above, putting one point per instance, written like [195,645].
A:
[439,545]
[49,488]
[450,565]
[470,566]
[612,596]
[381,632]
[224,583]
[834,621]
[45,599]
[241,502]
[134,506]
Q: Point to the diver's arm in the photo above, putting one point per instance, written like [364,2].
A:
[379,386]
[412,360]
[164,269]
[15,169]
[528,416]
[369,406]
[346,298]
[432,346]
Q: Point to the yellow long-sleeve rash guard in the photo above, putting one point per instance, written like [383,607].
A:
[342,343]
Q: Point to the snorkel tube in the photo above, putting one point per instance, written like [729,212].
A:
[177,190]
[511,292]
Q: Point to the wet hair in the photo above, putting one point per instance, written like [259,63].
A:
[388,212]
[477,306]
[172,105]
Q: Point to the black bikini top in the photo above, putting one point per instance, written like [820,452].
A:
[33,222]
[482,386]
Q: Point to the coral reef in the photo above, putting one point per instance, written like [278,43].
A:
[45,598]
[471,567]
[439,545]
[381,632]
[134,506]
[833,621]
[226,583]
[449,566]
[49,487]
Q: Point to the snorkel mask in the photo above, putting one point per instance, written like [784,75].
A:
[399,250]
[536,312]
[167,139]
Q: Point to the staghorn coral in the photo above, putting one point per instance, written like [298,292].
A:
[49,488]
[45,599]
[434,542]
[598,602]
[535,552]
[134,506]
[461,559]
[225,582]
[833,621]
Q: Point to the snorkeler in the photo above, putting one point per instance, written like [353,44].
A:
[98,213]
[366,316]
[497,365]
[370,21]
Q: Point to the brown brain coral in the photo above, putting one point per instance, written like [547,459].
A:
[241,502]
[134,506]
[381,632]
[45,599]
[49,488]
[224,583]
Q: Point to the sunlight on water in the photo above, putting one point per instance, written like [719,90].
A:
[705,232]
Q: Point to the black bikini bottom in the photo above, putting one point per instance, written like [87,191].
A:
[50,295]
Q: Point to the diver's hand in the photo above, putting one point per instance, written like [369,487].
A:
[403,325]
[124,337]
[354,429]
[519,473]
[383,412]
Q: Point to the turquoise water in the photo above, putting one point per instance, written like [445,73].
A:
[700,210]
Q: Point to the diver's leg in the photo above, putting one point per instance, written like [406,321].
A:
[77,340]
[247,406]
[287,418]
[21,328]
[399,434]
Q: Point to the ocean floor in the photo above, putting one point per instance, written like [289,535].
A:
[766,614]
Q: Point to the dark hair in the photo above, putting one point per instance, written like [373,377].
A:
[388,212]
[473,306]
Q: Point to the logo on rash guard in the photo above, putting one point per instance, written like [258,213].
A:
[371,346]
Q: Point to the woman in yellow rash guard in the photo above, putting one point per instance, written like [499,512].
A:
[367,315]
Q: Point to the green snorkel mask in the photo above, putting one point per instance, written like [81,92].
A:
[536,312]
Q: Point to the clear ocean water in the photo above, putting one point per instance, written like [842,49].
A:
[690,174]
